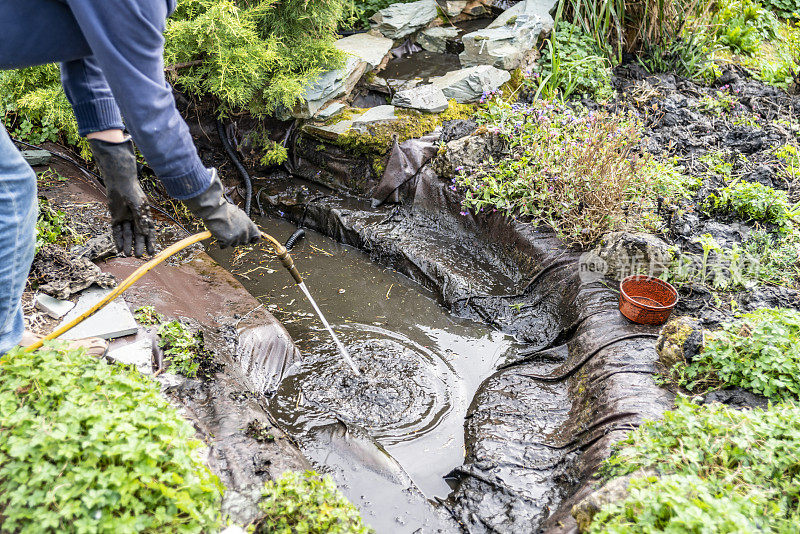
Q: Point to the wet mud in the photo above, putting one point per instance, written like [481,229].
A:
[742,121]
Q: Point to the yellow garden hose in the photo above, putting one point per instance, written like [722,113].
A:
[279,249]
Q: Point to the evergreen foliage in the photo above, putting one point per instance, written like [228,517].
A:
[253,54]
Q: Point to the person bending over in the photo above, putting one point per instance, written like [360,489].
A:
[111,58]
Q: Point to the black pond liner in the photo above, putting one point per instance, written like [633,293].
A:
[528,456]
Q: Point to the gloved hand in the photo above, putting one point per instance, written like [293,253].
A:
[131,221]
[229,224]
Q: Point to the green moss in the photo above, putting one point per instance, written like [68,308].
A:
[509,89]
[377,139]
[346,114]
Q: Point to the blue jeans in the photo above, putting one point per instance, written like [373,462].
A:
[18,213]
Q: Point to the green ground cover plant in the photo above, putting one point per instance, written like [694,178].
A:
[786,9]
[741,25]
[763,258]
[580,173]
[753,201]
[307,503]
[52,227]
[716,469]
[777,257]
[759,352]
[148,316]
[183,347]
[688,55]
[572,64]
[33,107]
[89,447]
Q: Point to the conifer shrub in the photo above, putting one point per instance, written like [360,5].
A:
[89,447]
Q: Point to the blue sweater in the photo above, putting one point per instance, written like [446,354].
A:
[111,55]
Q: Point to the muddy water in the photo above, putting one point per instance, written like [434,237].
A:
[404,417]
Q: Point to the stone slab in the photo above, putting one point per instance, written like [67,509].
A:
[139,354]
[329,86]
[400,20]
[36,157]
[330,110]
[112,321]
[511,39]
[435,39]
[53,307]
[375,115]
[369,48]
[470,84]
[428,98]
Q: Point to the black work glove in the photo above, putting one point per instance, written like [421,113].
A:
[229,224]
[131,221]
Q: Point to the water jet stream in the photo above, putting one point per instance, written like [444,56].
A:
[339,345]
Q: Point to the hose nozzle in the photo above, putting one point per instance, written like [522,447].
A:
[286,260]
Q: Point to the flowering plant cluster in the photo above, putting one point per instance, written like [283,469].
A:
[583,174]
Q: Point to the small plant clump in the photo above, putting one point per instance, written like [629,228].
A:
[148,316]
[184,348]
[716,470]
[89,447]
[759,352]
[572,64]
[785,9]
[742,25]
[308,503]
[753,201]
[52,227]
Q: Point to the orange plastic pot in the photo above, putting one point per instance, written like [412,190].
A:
[646,300]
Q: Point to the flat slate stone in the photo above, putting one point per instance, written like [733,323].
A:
[36,157]
[399,20]
[329,86]
[435,39]
[329,111]
[369,48]
[112,321]
[429,98]
[375,115]
[139,354]
[53,307]
[469,85]
[510,39]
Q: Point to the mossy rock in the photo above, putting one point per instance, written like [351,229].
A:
[681,339]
